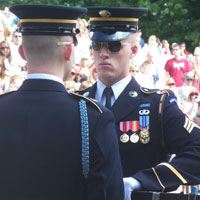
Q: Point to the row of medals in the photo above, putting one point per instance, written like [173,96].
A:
[143,137]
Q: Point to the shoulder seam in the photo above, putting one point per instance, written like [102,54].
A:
[88,99]
[157,91]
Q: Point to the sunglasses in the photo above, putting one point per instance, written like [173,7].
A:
[113,47]
[171,84]
[3,48]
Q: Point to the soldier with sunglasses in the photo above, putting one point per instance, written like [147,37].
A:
[149,123]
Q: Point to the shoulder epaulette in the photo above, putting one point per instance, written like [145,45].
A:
[90,100]
[153,91]
[7,93]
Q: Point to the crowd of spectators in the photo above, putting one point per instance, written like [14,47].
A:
[157,65]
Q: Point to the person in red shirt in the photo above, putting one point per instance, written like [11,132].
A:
[177,67]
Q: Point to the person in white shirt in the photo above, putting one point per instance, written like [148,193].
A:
[17,61]
[187,87]
[197,50]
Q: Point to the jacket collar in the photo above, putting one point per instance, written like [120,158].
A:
[127,102]
[42,85]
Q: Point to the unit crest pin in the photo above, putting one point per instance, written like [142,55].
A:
[133,94]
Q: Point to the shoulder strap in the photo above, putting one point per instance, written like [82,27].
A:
[89,100]
[160,118]
[84,137]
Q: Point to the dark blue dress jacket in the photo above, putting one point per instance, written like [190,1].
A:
[40,146]
[142,135]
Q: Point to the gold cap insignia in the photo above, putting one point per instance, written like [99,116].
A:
[104,13]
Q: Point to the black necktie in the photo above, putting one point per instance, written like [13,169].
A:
[108,92]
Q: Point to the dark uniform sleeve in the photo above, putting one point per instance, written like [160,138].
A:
[105,179]
[182,137]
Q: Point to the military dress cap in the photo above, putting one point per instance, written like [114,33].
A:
[47,19]
[113,23]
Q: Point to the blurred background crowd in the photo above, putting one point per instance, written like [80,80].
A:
[157,65]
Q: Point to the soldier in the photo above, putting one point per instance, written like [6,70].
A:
[55,145]
[149,123]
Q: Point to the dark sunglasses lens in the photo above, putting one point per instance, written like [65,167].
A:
[97,45]
[114,46]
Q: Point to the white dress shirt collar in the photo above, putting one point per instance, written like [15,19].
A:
[117,89]
[45,76]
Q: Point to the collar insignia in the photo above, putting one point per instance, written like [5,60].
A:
[133,94]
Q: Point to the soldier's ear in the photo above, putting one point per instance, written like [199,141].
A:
[68,51]
[134,50]
[21,52]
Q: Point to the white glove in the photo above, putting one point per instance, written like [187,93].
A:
[130,184]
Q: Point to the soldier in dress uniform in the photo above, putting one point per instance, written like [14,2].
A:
[55,145]
[149,123]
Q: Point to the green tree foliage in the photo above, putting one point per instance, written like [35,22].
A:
[174,20]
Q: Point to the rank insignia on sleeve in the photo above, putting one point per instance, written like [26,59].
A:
[173,100]
[189,125]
